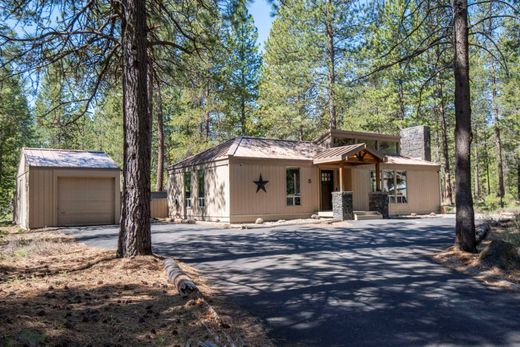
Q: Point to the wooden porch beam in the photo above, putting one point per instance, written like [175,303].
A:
[378,177]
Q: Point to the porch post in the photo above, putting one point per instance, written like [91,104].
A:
[341,179]
[378,177]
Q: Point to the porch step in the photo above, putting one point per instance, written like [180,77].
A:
[367,215]
[325,214]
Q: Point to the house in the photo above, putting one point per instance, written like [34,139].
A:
[341,174]
[65,187]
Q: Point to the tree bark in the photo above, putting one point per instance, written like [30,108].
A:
[331,53]
[465,216]
[159,184]
[518,178]
[498,139]
[487,167]
[496,117]
[475,165]
[135,226]
[448,191]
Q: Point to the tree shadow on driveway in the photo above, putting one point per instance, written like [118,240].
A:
[369,285]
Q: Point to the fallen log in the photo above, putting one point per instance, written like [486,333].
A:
[180,280]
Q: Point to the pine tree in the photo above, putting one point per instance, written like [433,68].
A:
[16,131]
[241,68]
[55,110]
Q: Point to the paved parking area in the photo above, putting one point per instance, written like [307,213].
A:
[370,284]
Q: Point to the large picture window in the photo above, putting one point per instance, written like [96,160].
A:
[187,189]
[200,188]
[394,183]
[293,187]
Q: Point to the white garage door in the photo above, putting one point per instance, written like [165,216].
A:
[85,201]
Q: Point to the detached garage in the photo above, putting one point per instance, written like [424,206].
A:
[66,187]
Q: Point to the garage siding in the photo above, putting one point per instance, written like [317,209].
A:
[43,192]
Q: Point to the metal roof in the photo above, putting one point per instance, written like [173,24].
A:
[337,154]
[46,157]
[255,147]
[402,160]
[262,148]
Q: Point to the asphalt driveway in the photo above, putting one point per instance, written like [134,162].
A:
[371,284]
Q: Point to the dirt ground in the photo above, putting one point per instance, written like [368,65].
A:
[470,264]
[57,292]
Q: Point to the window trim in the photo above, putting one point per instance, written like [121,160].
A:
[293,197]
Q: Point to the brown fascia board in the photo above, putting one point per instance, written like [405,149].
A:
[364,135]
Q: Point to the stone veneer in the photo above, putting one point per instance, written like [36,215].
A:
[342,206]
[378,201]
[415,142]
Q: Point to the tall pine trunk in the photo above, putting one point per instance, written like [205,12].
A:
[135,233]
[159,184]
[448,191]
[475,165]
[496,117]
[498,139]
[465,217]
[331,54]
[488,182]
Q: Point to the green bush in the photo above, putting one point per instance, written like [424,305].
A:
[491,202]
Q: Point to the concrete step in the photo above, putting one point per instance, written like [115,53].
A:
[325,214]
[367,215]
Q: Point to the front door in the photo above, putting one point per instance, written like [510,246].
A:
[327,187]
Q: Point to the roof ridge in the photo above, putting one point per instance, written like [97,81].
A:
[63,150]
[272,139]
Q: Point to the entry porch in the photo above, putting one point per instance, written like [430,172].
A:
[339,197]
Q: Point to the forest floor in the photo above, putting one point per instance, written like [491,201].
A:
[472,264]
[57,292]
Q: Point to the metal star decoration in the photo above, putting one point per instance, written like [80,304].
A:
[260,184]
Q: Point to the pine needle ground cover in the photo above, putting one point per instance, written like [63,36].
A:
[500,271]
[57,292]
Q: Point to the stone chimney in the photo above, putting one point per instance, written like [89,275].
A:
[415,142]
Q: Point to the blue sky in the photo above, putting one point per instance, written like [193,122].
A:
[261,12]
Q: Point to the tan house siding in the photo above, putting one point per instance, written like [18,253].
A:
[247,204]
[361,187]
[216,192]
[423,189]
[43,192]
[22,190]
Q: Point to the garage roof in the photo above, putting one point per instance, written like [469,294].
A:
[65,158]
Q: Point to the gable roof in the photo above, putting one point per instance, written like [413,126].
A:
[262,148]
[255,147]
[341,153]
[65,158]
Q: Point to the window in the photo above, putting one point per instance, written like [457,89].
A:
[293,187]
[187,189]
[394,183]
[386,147]
[343,142]
[201,188]
[370,143]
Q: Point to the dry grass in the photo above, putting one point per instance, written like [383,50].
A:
[56,292]
[470,264]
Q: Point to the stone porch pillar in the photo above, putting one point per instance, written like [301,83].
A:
[342,206]
[378,201]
